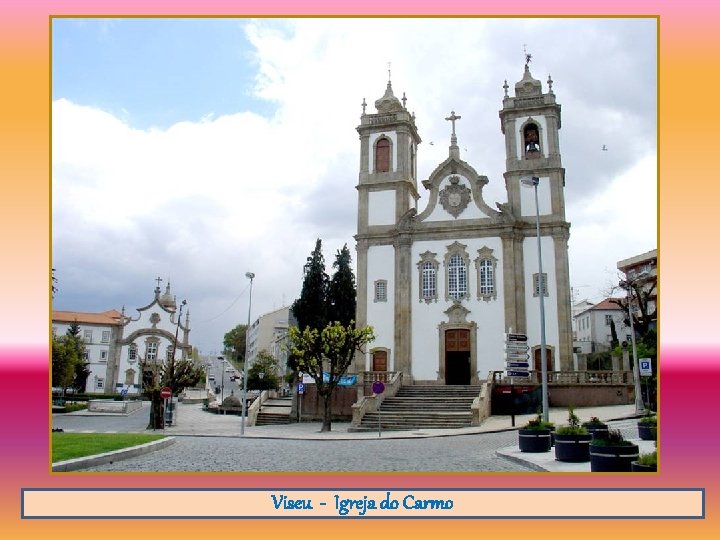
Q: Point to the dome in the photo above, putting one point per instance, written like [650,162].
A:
[167,300]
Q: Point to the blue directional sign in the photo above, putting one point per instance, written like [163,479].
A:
[523,365]
[301,388]
[515,373]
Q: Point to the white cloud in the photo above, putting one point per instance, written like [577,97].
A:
[203,202]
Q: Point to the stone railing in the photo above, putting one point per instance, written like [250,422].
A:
[571,377]
[480,408]
[254,408]
[112,406]
[367,401]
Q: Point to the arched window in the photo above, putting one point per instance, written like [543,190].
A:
[531,139]
[457,278]
[427,277]
[382,155]
[486,277]
[486,265]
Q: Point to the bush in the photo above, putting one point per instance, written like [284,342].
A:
[649,419]
[72,407]
[573,427]
[613,438]
[538,423]
[649,459]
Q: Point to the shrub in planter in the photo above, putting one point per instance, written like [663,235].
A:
[645,463]
[535,436]
[572,442]
[647,427]
[596,427]
[612,453]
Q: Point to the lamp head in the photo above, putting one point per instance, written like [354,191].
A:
[249,275]
[530,180]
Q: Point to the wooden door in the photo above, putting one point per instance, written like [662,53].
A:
[379,361]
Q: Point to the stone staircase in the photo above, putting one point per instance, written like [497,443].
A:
[424,407]
[274,411]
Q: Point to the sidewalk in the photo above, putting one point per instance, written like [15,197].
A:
[192,420]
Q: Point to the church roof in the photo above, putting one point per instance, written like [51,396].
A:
[110,317]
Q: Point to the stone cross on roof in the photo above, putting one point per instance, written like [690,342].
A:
[452,119]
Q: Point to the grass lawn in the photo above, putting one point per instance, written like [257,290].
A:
[74,445]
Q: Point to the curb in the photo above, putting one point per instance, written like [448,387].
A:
[109,457]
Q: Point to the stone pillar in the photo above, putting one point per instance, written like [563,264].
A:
[626,360]
[403,313]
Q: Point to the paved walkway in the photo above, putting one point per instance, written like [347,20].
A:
[191,420]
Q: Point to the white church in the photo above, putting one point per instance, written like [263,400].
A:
[442,285]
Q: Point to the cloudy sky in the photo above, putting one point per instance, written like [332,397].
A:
[199,149]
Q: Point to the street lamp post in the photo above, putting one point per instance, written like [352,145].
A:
[250,276]
[172,358]
[542,286]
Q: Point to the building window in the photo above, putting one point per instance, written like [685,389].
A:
[103,356]
[382,155]
[608,320]
[105,336]
[381,290]
[100,383]
[86,355]
[129,377]
[132,352]
[486,264]
[169,352]
[151,352]
[87,336]
[427,277]
[537,285]
[456,263]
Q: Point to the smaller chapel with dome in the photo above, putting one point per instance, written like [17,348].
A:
[148,339]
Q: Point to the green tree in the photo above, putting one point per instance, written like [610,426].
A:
[266,365]
[341,291]
[310,310]
[67,357]
[329,351]
[234,342]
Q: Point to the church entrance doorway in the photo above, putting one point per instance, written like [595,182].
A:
[379,360]
[457,356]
[538,362]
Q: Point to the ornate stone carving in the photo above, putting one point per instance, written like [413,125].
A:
[457,313]
[455,197]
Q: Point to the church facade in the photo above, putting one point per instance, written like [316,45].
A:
[441,286]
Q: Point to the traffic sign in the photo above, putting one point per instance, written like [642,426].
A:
[517,373]
[513,365]
[515,337]
[378,387]
[165,392]
[301,388]
[516,357]
[645,367]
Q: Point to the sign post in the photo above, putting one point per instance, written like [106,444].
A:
[517,364]
[301,391]
[165,394]
[645,372]
[378,387]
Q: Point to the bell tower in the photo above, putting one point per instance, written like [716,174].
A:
[530,121]
[387,200]
[388,162]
